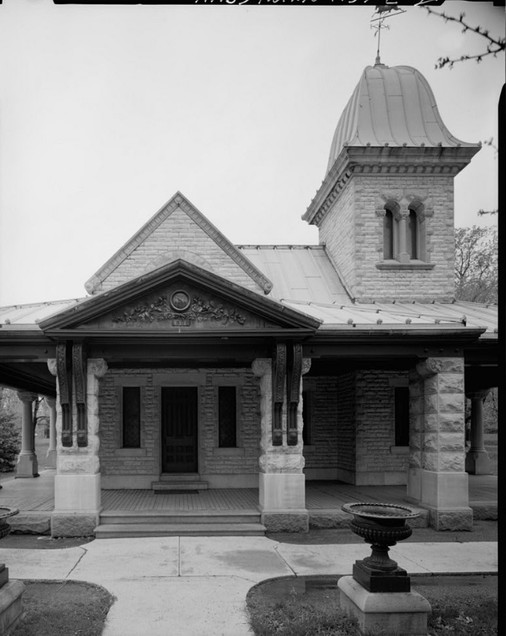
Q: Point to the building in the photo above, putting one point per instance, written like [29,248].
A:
[195,361]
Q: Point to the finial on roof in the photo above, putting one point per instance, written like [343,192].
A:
[381,13]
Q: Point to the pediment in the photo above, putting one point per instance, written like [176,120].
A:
[177,297]
[179,305]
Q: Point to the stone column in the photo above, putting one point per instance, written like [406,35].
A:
[403,232]
[477,459]
[51,451]
[436,477]
[77,489]
[282,491]
[27,465]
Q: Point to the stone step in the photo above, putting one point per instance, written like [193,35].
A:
[164,487]
[179,477]
[152,517]
[114,530]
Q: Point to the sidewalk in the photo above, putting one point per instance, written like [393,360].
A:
[197,585]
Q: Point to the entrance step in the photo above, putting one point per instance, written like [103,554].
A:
[114,531]
[154,523]
[168,486]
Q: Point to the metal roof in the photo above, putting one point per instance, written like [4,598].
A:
[305,280]
[32,313]
[392,106]
[298,272]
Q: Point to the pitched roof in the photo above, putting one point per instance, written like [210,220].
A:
[178,201]
[305,281]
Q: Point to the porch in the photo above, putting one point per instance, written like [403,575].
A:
[215,511]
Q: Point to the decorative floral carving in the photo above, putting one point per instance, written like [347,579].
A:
[200,310]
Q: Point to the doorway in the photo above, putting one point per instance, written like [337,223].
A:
[179,429]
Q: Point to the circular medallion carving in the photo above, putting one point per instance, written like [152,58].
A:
[180,300]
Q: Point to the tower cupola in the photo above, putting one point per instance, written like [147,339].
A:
[385,207]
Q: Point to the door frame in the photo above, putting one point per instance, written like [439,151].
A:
[173,380]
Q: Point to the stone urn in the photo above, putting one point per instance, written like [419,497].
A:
[382,525]
[5,513]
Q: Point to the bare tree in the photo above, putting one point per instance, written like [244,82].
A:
[476,264]
[492,44]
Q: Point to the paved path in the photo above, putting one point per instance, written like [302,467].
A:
[193,586]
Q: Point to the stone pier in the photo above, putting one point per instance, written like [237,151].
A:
[436,478]
[77,480]
[282,491]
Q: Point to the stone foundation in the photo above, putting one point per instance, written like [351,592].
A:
[68,524]
[453,520]
[11,605]
[286,522]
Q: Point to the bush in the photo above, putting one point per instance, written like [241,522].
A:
[9,441]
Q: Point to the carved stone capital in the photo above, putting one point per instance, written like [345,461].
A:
[97,366]
[306,365]
[478,395]
[26,396]
[51,365]
[261,366]
[428,367]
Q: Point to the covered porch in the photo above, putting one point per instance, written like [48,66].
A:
[35,500]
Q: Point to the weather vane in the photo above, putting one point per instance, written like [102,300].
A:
[381,13]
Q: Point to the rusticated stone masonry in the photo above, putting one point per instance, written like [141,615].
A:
[437,477]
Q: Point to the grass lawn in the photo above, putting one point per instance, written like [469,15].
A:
[63,608]
[309,606]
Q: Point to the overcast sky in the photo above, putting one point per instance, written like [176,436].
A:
[107,111]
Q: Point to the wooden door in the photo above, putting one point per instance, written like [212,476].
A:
[179,429]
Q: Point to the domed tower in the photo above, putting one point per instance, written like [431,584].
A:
[385,208]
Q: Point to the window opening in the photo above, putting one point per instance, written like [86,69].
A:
[401,407]
[412,238]
[227,416]
[131,417]
[388,235]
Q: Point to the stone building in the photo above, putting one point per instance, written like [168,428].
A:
[197,363]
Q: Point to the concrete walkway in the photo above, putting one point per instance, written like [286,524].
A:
[191,586]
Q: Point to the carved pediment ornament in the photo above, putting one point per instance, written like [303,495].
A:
[181,309]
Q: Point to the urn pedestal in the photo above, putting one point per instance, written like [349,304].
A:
[10,591]
[379,593]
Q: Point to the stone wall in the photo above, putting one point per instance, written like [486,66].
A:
[321,455]
[353,235]
[178,237]
[353,428]
[378,460]
[137,467]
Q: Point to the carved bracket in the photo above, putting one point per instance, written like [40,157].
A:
[293,377]
[64,371]
[79,372]
[278,393]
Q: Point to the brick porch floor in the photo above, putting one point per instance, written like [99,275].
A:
[37,495]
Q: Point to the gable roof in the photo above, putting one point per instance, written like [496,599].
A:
[98,305]
[178,201]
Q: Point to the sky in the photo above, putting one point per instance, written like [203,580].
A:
[107,111]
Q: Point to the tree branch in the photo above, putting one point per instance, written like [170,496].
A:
[495,44]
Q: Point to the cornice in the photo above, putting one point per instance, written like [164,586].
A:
[386,161]
[178,201]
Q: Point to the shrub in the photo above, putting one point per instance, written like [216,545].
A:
[9,441]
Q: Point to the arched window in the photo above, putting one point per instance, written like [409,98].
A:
[388,235]
[412,235]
